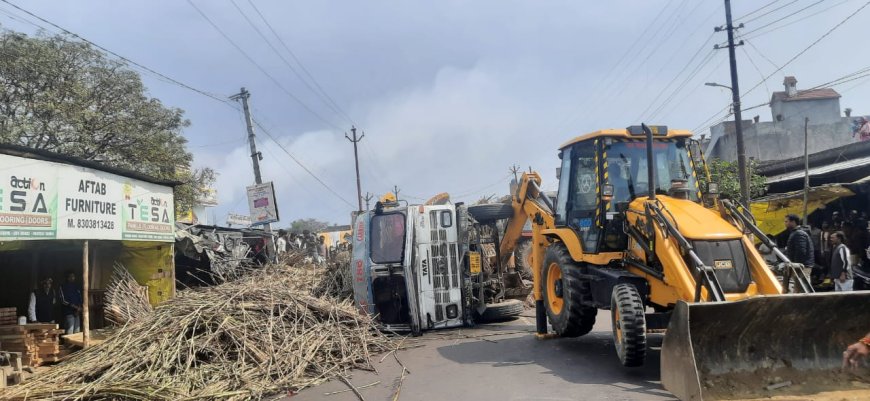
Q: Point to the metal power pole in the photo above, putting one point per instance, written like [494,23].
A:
[396,192]
[735,100]
[255,155]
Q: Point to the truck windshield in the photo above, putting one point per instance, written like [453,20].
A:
[627,171]
[388,238]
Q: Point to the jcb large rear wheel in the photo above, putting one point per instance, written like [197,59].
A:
[629,325]
[566,295]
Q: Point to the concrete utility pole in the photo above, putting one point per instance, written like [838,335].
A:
[515,169]
[396,192]
[735,104]
[356,140]
[368,198]
[255,156]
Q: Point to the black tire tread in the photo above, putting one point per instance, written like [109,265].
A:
[489,212]
[504,310]
[633,321]
[577,317]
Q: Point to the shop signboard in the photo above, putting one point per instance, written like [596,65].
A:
[46,200]
[261,202]
[235,219]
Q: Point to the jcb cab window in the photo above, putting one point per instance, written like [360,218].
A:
[388,238]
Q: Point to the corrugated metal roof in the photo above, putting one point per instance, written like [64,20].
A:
[844,165]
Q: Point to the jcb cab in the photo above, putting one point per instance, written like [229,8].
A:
[421,267]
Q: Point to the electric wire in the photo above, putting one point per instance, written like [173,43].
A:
[299,62]
[765,32]
[784,17]
[756,10]
[767,13]
[287,63]
[259,67]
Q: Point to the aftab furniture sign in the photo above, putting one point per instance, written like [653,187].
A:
[46,200]
[261,201]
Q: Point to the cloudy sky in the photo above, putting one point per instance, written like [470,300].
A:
[449,93]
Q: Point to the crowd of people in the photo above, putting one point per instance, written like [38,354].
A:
[837,251]
[313,245]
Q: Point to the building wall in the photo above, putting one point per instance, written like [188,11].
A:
[820,111]
[767,141]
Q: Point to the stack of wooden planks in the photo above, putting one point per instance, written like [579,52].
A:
[38,343]
[8,316]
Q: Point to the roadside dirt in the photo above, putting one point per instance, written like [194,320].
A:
[790,384]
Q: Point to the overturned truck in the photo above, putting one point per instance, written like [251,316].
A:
[422,267]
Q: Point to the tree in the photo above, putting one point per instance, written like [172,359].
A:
[67,97]
[311,225]
[725,174]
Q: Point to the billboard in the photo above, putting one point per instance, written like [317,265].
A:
[261,202]
[47,200]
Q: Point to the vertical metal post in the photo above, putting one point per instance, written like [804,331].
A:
[356,140]
[86,319]
[650,162]
[806,167]
[735,99]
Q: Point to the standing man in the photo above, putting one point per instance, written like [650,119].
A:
[799,247]
[841,266]
[42,303]
[281,243]
[71,298]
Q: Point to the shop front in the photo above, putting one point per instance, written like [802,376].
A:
[65,219]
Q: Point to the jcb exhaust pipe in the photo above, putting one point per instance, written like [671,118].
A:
[650,162]
[763,346]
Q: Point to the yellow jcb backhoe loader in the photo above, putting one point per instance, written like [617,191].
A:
[632,231]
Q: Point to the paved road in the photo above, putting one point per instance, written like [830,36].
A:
[505,362]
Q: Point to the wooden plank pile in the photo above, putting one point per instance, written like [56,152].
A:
[8,316]
[38,343]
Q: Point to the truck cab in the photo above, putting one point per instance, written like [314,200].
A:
[407,266]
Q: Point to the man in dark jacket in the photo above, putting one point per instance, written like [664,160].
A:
[799,247]
[71,298]
[42,303]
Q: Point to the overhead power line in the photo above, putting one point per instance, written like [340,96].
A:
[287,63]
[180,84]
[299,63]
[767,13]
[259,67]
[143,67]
[757,10]
[784,17]
[749,35]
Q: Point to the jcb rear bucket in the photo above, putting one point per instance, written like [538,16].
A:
[764,346]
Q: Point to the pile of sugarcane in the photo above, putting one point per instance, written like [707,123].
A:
[125,300]
[335,281]
[261,334]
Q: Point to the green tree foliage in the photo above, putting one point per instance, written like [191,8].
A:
[64,96]
[312,225]
[725,174]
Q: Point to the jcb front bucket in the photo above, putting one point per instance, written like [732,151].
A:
[764,346]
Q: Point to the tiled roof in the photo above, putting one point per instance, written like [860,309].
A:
[809,94]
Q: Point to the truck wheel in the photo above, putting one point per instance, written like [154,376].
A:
[523,258]
[566,295]
[490,212]
[504,310]
[629,325]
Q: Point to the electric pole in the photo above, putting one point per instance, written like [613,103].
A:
[515,169]
[356,140]
[743,177]
[396,192]
[368,198]
[255,155]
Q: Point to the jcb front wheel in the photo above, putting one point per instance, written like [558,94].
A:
[567,296]
[629,325]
